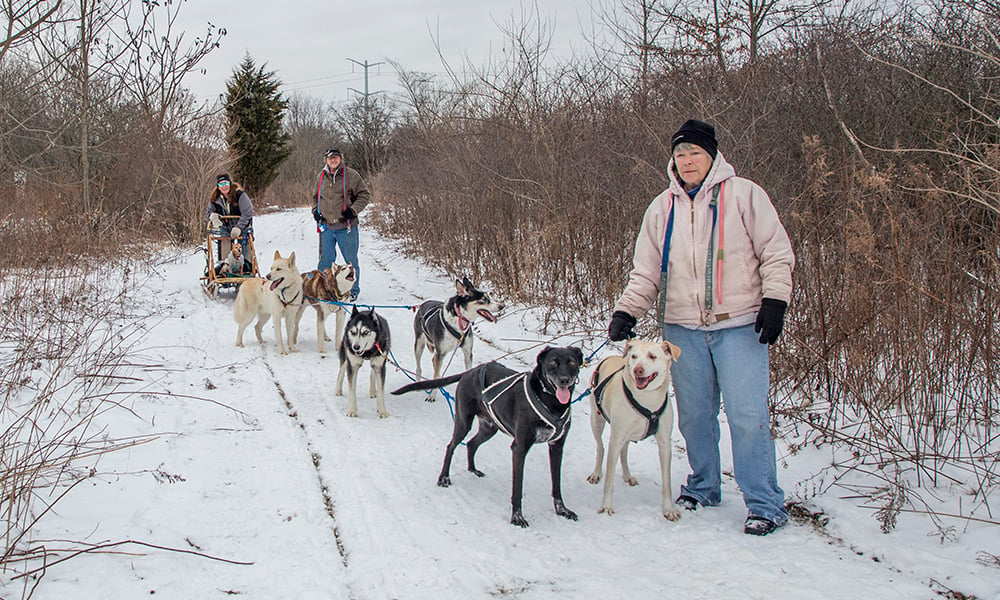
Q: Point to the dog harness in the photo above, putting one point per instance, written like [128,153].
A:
[652,417]
[281,296]
[439,313]
[558,423]
[339,297]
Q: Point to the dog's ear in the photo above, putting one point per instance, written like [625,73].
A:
[460,288]
[277,255]
[541,356]
[354,309]
[291,260]
[672,350]
[628,347]
[578,355]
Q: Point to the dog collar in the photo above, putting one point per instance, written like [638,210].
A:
[558,422]
[451,329]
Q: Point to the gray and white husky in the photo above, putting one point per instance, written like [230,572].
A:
[443,326]
[366,337]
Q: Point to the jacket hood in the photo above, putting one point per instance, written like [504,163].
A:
[721,170]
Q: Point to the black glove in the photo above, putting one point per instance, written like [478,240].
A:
[621,326]
[770,319]
[348,213]
[316,214]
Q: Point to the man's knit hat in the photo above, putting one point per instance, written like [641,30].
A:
[698,133]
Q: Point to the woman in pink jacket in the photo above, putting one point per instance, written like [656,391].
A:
[715,261]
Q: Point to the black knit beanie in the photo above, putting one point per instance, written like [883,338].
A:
[698,133]
[223,177]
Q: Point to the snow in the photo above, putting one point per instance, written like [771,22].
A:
[254,461]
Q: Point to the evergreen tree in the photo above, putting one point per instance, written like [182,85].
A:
[254,111]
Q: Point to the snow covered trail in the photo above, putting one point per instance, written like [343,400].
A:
[270,471]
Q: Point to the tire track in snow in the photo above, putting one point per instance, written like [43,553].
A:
[331,509]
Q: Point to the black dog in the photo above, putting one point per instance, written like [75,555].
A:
[533,406]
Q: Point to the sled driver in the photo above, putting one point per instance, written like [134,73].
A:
[229,199]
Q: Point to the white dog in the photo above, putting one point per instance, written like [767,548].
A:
[278,296]
[631,393]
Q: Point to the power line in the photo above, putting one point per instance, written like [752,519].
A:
[366,66]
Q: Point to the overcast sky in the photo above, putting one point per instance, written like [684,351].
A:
[309,43]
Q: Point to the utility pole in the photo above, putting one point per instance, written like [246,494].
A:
[366,66]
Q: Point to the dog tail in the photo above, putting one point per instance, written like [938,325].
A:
[427,384]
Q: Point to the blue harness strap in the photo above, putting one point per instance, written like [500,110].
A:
[661,304]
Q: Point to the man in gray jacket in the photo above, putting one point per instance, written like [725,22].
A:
[714,259]
[340,196]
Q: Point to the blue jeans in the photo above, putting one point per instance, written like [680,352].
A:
[728,364]
[348,240]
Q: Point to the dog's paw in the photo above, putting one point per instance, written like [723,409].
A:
[671,514]
[293,349]
[239,344]
[594,477]
[632,481]
[562,511]
[518,519]
[383,414]
[430,398]
[444,481]
[606,510]
[352,413]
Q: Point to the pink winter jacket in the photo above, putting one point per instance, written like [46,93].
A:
[757,257]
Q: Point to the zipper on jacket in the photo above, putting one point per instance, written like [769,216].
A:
[694,254]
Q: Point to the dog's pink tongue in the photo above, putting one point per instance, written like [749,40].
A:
[274,284]
[562,395]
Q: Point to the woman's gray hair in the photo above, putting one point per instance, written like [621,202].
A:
[686,146]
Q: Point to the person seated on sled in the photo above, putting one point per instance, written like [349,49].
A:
[229,199]
[235,263]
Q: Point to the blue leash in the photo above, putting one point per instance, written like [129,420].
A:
[587,362]
[372,306]
[444,392]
